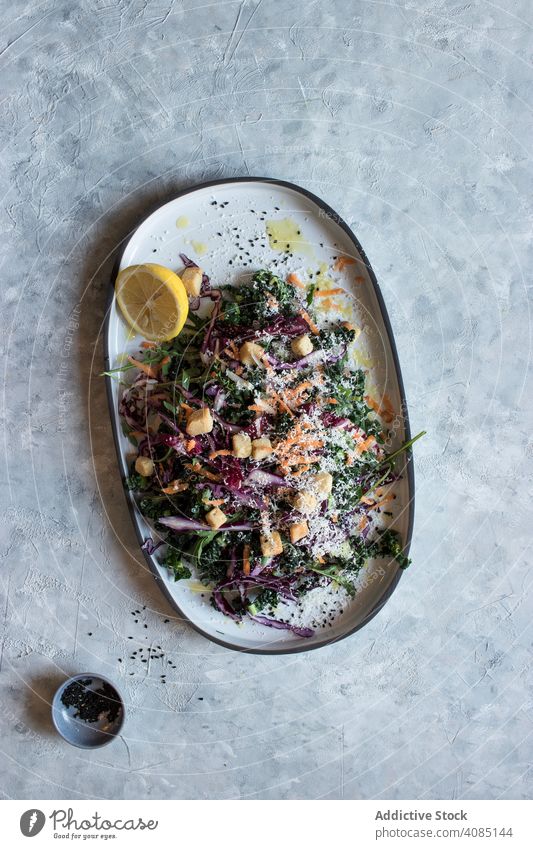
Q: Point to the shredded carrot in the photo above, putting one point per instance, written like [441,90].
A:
[373,504]
[246,566]
[295,280]
[196,467]
[138,434]
[175,486]
[222,452]
[148,345]
[301,471]
[164,361]
[324,293]
[386,498]
[297,461]
[342,261]
[265,362]
[349,459]
[385,409]
[256,408]
[148,370]
[359,280]
[239,370]
[231,350]
[321,559]
[309,321]
[306,384]
[186,407]
[363,522]
[330,401]
[214,502]
[365,444]
[281,403]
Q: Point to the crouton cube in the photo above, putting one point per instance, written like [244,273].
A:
[261,448]
[192,280]
[242,445]
[298,531]
[323,483]
[144,466]
[215,518]
[271,544]
[305,502]
[302,346]
[199,421]
[250,353]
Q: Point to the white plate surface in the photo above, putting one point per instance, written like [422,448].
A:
[210,233]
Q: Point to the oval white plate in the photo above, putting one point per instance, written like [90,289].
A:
[222,226]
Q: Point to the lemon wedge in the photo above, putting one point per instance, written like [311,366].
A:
[153,300]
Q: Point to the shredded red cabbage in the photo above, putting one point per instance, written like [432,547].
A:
[286,626]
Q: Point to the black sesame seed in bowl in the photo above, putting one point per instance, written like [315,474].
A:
[88,711]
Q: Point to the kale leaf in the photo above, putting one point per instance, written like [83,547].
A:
[137,482]
[175,564]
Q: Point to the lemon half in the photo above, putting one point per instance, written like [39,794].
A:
[153,300]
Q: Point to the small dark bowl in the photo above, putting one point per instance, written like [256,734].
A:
[78,732]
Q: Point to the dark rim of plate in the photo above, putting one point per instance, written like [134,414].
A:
[282,648]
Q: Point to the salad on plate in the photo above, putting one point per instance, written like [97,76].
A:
[262,462]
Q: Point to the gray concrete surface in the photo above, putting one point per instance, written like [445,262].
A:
[410,118]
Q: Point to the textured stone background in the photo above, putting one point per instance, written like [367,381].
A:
[412,119]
